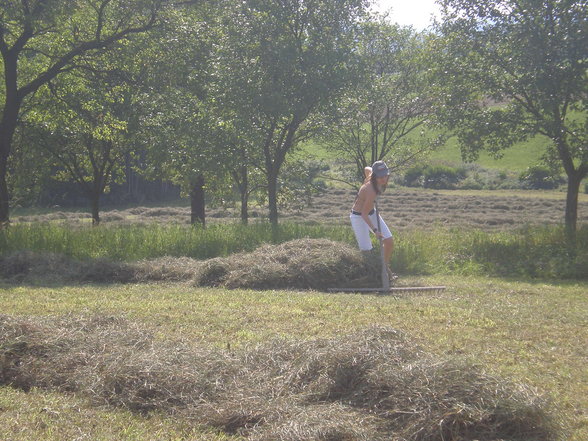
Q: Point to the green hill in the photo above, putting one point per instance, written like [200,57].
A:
[515,159]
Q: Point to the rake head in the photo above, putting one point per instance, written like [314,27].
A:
[394,290]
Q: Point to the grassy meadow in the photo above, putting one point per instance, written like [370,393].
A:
[515,307]
[527,252]
[531,332]
[515,159]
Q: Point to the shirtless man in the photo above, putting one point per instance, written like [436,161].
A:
[363,215]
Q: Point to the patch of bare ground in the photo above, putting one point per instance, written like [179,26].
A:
[375,384]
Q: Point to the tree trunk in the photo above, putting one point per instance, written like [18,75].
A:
[574,180]
[4,197]
[244,190]
[95,204]
[272,194]
[7,129]
[244,210]
[198,214]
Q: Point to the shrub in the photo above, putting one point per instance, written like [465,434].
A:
[540,177]
[414,176]
[434,176]
[442,176]
[470,183]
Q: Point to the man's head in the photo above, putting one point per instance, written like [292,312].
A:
[380,169]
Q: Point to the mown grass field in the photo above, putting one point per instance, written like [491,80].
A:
[532,332]
[515,159]
[402,208]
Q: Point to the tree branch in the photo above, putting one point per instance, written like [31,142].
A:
[84,47]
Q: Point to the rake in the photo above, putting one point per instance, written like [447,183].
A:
[386,288]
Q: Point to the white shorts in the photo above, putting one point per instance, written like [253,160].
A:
[362,230]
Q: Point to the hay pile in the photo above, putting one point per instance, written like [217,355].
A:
[371,385]
[299,264]
[303,263]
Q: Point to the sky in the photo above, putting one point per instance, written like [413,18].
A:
[409,12]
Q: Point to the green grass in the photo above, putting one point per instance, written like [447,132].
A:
[533,332]
[312,148]
[41,415]
[528,252]
[134,242]
[515,159]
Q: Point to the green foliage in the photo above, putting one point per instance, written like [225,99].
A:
[512,70]
[300,181]
[442,176]
[277,65]
[540,177]
[434,176]
[414,176]
[43,40]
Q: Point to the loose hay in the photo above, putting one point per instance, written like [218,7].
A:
[304,264]
[299,264]
[372,385]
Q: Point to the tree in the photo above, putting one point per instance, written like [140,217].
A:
[84,126]
[285,60]
[515,69]
[378,118]
[42,39]
[187,138]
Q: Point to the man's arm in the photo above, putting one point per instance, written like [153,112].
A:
[367,171]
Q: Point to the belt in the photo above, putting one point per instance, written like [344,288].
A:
[357,213]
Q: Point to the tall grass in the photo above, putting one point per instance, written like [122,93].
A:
[531,252]
[134,242]
[541,252]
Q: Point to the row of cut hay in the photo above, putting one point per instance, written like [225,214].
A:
[302,264]
[375,384]
[39,267]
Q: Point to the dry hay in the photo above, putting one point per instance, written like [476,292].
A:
[299,264]
[373,385]
[303,263]
[31,266]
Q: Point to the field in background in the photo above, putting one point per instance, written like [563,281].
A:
[515,159]
[402,208]
[531,332]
